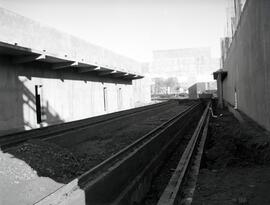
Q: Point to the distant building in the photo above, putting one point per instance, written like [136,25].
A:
[189,65]
[202,87]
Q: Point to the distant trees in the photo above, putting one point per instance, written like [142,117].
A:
[171,82]
[166,86]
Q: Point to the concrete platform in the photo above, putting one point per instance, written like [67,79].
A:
[20,184]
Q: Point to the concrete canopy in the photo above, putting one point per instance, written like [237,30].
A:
[223,74]
[28,41]
[21,55]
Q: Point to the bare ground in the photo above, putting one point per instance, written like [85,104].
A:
[236,164]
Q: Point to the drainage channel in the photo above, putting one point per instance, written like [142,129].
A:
[182,184]
[163,176]
[125,177]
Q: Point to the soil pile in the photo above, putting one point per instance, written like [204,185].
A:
[236,163]
[233,144]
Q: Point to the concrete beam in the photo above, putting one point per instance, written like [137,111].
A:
[129,76]
[107,73]
[120,74]
[64,65]
[88,69]
[132,77]
[26,59]
[34,37]
[138,77]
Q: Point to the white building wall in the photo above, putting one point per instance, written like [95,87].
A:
[66,95]
[63,98]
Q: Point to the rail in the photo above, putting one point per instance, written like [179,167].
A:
[173,193]
[123,178]
[10,140]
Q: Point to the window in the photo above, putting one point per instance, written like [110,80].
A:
[119,99]
[105,99]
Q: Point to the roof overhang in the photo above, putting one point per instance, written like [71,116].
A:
[21,55]
[220,72]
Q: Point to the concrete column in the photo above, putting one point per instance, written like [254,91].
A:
[220,90]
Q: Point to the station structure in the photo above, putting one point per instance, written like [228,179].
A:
[196,89]
[49,77]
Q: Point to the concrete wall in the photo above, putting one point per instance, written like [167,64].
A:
[66,95]
[31,34]
[248,63]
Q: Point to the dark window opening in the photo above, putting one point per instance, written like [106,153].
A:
[38,103]
[105,99]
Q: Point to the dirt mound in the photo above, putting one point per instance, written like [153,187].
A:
[236,163]
[233,144]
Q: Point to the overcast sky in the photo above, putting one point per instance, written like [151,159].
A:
[132,27]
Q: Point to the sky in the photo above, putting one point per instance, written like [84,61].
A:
[133,28]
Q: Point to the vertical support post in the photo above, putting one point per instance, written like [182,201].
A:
[220,90]
[105,99]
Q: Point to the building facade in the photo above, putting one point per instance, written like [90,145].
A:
[48,77]
[189,65]
[244,81]
[202,87]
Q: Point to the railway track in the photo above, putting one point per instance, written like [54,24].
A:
[125,177]
[181,186]
[54,131]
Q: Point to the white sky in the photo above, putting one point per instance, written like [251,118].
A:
[132,27]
